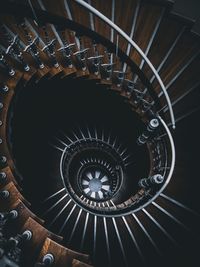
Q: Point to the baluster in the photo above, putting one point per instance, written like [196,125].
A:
[14,47]
[4,194]
[151,127]
[47,260]
[96,59]
[3,61]
[5,217]
[108,67]
[5,88]
[120,77]
[145,105]
[137,95]
[11,249]
[81,55]
[49,48]
[32,45]
[3,177]
[66,49]
[3,159]
[150,181]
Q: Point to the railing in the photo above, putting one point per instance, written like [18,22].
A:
[162,152]
[169,156]
[133,44]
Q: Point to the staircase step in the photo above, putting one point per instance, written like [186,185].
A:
[100,26]
[9,178]
[24,213]
[79,14]
[14,196]
[68,72]
[169,45]
[62,255]
[77,263]
[185,49]
[162,46]
[145,26]
[39,235]
[42,73]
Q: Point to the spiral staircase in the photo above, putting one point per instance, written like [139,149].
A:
[96,98]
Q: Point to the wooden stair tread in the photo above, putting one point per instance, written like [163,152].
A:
[180,55]
[15,195]
[94,77]
[39,234]
[82,73]
[125,21]
[101,27]
[31,223]
[148,17]
[161,45]
[145,26]
[63,256]
[69,71]
[25,213]
[41,73]
[57,9]
[6,98]
[9,178]
[14,226]
[77,263]
[79,14]
[183,82]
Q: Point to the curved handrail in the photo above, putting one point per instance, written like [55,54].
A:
[133,44]
[46,17]
[102,214]
[171,165]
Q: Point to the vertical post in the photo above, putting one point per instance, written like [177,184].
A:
[153,180]
[151,127]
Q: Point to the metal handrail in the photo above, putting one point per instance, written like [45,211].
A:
[133,44]
[171,157]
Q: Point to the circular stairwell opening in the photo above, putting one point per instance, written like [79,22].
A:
[77,135]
